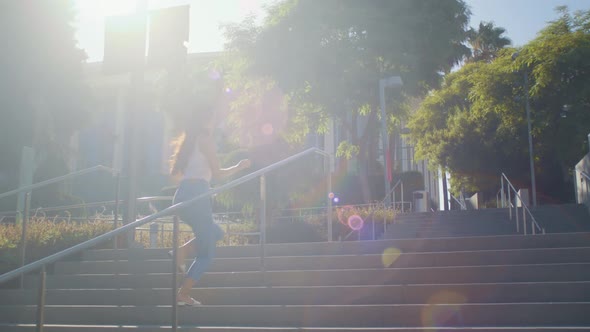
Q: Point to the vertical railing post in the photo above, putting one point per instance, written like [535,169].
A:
[262,219]
[41,300]
[502,194]
[509,202]
[384,218]
[524,219]
[116,212]
[523,223]
[227,231]
[373,222]
[393,203]
[174,274]
[23,239]
[402,194]
[516,210]
[329,205]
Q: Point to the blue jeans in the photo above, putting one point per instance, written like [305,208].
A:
[199,216]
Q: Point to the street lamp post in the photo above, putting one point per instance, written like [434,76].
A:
[528,120]
[385,83]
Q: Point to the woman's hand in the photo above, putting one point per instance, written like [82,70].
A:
[244,164]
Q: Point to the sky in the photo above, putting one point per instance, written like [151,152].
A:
[522,19]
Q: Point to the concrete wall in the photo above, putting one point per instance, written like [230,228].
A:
[582,186]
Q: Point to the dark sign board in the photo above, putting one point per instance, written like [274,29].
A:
[169,30]
[124,43]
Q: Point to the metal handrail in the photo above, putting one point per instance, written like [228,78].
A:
[461,204]
[57,179]
[499,201]
[27,190]
[98,204]
[166,212]
[381,203]
[401,184]
[534,224]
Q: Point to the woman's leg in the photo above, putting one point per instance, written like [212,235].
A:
[186,250]
[209,234]
[184,192]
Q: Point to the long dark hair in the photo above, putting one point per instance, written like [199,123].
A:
[195,107]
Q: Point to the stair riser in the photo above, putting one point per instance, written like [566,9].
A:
[367,247]
[415,294]
[350,316]
[442,275]
[390,259]
[74,328]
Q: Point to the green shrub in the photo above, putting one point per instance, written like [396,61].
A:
[45,237]
[164,236]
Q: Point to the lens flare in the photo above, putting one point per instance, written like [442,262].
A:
[355,222]
[331,195]
[336,200]
[343,213]
[214,74]
[443,309]
[267,129]
[389,256]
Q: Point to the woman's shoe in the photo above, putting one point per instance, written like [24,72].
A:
[189,303]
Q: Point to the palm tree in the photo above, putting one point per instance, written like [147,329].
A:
[486,41]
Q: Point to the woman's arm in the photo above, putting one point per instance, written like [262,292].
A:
[207,146]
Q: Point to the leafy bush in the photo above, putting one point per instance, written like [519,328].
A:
[164,234]
[45,237]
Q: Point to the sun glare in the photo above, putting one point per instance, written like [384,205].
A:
[104,8]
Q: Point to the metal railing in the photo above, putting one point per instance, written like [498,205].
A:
[385,206]
[85,206]
[461,202]
[157,230]
[28,190]
[511,192]
[57,179]
[42,263]
[402,203]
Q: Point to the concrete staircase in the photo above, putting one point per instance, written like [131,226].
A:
[468,283]
[554,218]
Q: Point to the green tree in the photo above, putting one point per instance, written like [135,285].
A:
[327,57]
[42,95]
[486,41]
[476,123]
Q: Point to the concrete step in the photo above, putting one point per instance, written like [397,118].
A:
[480,220]
[441,233]
[459,228]
[390,258]
[326,295]
[501,214]
[366,247]
[201,328]
[563,218]
[498,314]
[383,276]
